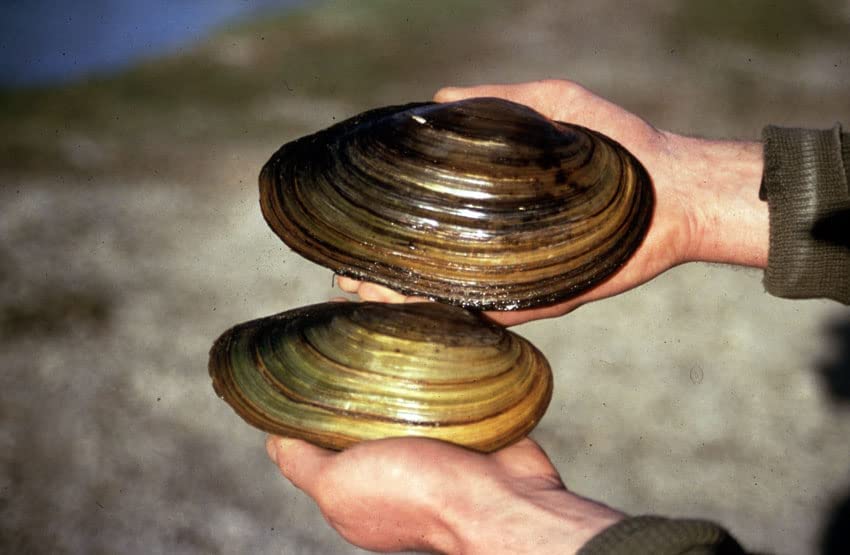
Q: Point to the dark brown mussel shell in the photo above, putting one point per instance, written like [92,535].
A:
[338,373]
[482,203]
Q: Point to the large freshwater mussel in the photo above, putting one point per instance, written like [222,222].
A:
[338,373]
[482,203]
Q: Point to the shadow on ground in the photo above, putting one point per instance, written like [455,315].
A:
[836,379]
[835,372]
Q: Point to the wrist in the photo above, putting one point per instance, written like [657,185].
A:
[720,181]
[553,521]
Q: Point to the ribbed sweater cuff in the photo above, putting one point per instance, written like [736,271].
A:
[805,185]
[662,536]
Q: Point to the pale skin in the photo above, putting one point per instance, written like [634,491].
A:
[408,493]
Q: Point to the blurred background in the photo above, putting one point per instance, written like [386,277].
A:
[130,237]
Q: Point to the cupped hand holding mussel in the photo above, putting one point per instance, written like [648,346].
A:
[425,495]
[704,206]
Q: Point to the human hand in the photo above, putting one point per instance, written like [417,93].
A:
[706,208]
[424,494]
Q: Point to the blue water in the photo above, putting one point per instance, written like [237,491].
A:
[51,41]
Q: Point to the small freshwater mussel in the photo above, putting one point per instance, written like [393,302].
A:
[482,203]
[338,373]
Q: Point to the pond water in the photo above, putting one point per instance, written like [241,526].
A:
[51,41]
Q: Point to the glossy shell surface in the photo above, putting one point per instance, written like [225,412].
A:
[482,203]
[338,373]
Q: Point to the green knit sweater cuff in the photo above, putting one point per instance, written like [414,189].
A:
[805,183]
[662,536]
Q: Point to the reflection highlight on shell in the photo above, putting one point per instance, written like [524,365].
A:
[482,203]
[338,373]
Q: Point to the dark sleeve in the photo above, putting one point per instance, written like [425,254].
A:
[805,183]
[662,536]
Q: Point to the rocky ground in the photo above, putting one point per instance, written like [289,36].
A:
[130,237]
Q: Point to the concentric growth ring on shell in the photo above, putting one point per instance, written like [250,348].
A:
[338,373]
[482,203]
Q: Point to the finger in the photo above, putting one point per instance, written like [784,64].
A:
[558,99]
[516,317]
[348,284]
[450,94]
[338,300]
[503,90]
[300,462]
[551,97]
[379,293]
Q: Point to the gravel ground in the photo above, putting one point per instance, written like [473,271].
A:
[696,395]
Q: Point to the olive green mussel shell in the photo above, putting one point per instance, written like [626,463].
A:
[482,203]
[338,373]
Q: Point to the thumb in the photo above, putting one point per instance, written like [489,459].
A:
[300,462]
[526,459]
